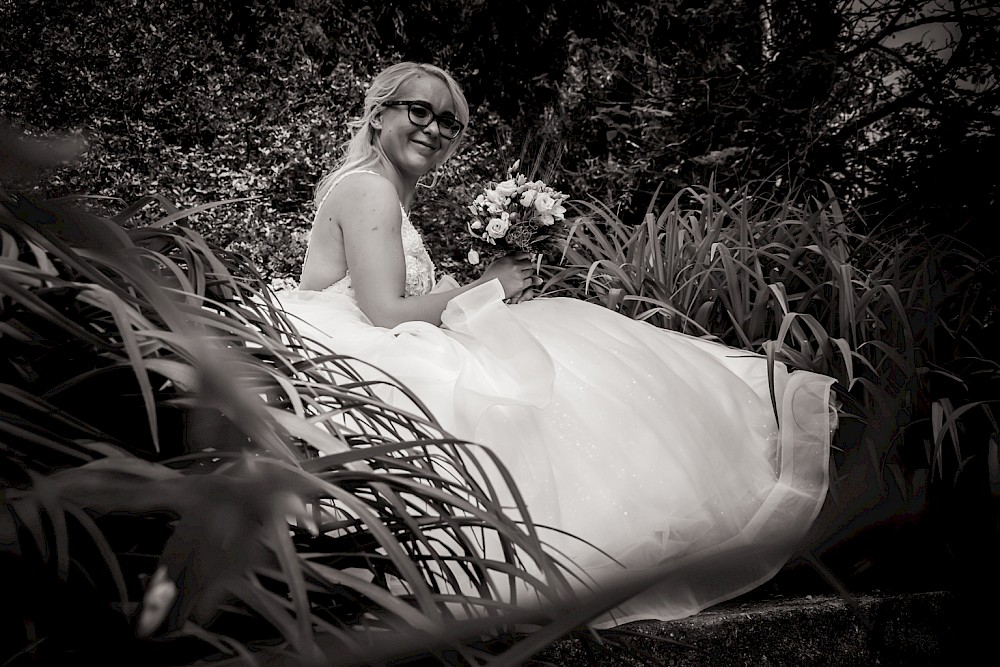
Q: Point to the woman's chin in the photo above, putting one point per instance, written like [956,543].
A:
[421,167]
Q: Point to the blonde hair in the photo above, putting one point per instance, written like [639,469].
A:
[364,150]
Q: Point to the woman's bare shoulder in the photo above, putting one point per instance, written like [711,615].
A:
[361,196]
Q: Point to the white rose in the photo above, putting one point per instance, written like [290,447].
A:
[528,197]
[497,227]
[507,188]
[473,257]
[546,218]
[558,211]
[544,202]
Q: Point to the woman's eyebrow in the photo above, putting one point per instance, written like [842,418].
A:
[431,107]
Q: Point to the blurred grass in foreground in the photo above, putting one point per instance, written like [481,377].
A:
[182,481]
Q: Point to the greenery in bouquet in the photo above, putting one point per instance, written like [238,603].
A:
[516,214]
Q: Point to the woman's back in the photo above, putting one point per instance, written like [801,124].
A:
[326,259]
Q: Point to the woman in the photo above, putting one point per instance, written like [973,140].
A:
[659,449]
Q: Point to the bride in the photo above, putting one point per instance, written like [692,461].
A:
[653,448]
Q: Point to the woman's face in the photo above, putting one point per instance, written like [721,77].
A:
[412,149]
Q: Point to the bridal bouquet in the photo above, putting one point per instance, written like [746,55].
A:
[516,214]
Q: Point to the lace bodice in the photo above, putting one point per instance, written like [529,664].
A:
[419,266]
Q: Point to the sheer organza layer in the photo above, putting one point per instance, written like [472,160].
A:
[658,452]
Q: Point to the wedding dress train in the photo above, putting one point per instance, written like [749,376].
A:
[662,450]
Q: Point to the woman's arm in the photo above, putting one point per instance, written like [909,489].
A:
[367,211]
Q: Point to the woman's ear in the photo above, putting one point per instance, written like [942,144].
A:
[376,121]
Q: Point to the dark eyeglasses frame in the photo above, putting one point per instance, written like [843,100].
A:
[451,121]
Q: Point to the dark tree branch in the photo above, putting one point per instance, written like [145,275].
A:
[958,14]
[897,104]
[877,37]
[991,120]
[911,98]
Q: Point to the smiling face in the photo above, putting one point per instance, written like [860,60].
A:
[414,150]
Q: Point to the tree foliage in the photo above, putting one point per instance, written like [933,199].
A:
[893,101]
[850,92]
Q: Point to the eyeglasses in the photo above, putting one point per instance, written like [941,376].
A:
[421,114]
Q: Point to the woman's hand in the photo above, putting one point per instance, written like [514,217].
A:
[515,273]
[528,293]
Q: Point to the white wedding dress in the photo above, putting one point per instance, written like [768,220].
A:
[658,448]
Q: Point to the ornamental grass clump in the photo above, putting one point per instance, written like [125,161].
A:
[893,315]
[184,477]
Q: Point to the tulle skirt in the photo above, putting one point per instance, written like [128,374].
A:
[656,452]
